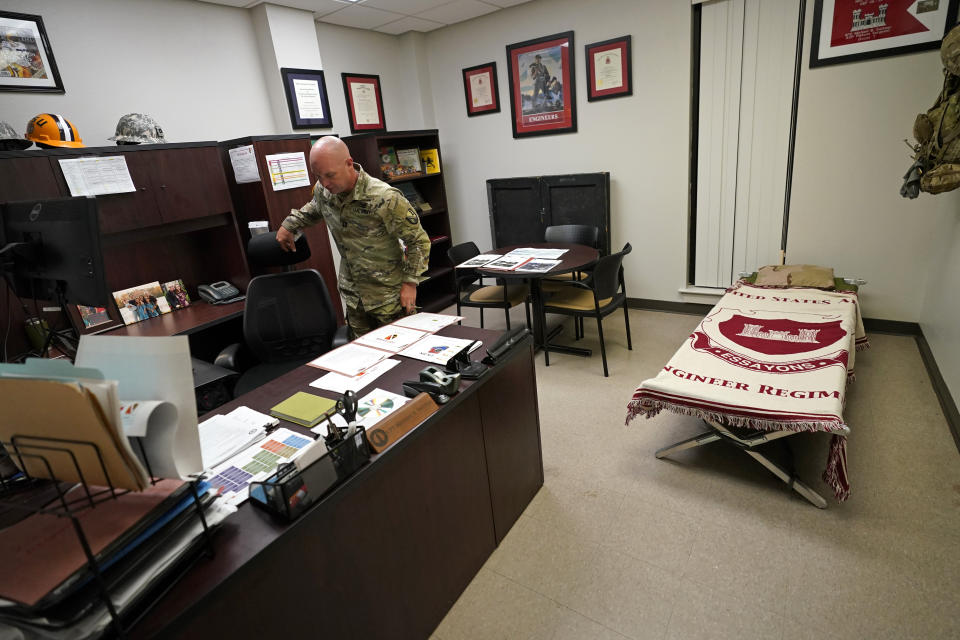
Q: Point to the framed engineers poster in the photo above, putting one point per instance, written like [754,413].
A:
[542,86]
[853,30]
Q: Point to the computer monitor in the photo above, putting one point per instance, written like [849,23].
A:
[52,249]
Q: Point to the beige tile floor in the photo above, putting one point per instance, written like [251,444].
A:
[618,544]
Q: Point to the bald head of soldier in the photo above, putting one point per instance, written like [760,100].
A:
[330,161]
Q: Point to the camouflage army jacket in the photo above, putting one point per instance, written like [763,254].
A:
[368,224]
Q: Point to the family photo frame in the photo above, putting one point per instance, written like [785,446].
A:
[26,58]
[855,30]
[542,86]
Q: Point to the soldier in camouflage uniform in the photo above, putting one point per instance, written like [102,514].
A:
[138,128]
[368,220]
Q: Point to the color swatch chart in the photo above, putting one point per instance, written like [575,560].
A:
[256,463]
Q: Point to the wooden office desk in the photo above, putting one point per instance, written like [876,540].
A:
[388,552]
[199,316]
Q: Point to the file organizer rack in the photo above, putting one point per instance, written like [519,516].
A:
[71,507]
[288,492]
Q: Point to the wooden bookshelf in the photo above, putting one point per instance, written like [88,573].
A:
[438,291]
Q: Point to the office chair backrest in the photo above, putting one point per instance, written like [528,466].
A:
[461,253]
[584,234]
[288,316]
[264,250]
[606,273]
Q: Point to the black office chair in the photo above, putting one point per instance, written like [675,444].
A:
[598,296]
[288,320]
[584,234]
[472,293]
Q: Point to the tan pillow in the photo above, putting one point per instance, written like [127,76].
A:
[795,275]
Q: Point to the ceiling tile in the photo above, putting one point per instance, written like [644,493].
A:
[457,11]
[319,7]
[409,24]
[506,3]
[231,3]
[361,17]
[408,7]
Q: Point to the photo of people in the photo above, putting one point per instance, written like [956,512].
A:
[93,316]
[539,88]
[141,302]
[20,55]
[176,294]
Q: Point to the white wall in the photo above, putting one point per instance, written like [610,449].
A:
[942,305]
[347,50]
[846,209]
[190,65]
[641,140]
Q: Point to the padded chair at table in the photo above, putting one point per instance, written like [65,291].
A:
[602,293]
[585,234]
[288,320]
[472,293]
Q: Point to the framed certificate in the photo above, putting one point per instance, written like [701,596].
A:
[307,101]
[853,30]
[543,97]
[481,90]
[364,102]
[609,69]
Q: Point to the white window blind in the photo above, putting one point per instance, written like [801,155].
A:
[747,55]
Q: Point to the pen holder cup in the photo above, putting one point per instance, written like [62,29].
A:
[290,491]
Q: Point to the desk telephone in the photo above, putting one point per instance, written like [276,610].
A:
[219,292]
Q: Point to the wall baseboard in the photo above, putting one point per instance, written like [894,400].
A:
[872,325]
[947,403]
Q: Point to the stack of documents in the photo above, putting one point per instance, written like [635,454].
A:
[222,437]
[305,409]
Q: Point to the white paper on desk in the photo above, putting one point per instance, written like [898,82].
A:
[479,261]
[97,176]
[435,349]
[141,417]
[349,360]
[244,162]
[371,409]
[222,437]
[288,170]
[429,322]
[156,368]
[508,263]
[392,338]
[530,252]
[341,384]
[537,265]
[253,418]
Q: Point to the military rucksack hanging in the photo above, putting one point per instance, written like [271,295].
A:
[936,166]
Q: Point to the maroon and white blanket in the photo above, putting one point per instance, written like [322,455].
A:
[767,359]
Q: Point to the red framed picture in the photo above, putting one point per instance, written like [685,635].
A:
[542,86]
[364,102]
[609,69]
[855,30]
[481,90]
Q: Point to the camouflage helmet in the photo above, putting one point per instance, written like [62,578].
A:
[11,139]
[950,51]
[139,128]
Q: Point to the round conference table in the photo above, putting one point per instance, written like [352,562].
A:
[575,258]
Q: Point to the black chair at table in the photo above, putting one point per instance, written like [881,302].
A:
[288,319]
[585,234]
[602,293]
[472,293]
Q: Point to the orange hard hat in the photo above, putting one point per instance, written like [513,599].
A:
[54,130]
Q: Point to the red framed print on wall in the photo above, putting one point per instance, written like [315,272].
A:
[542,86]
[364,102]
[853,30]
[609,69]
[481,90]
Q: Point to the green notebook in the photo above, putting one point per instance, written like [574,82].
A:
[304,409]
